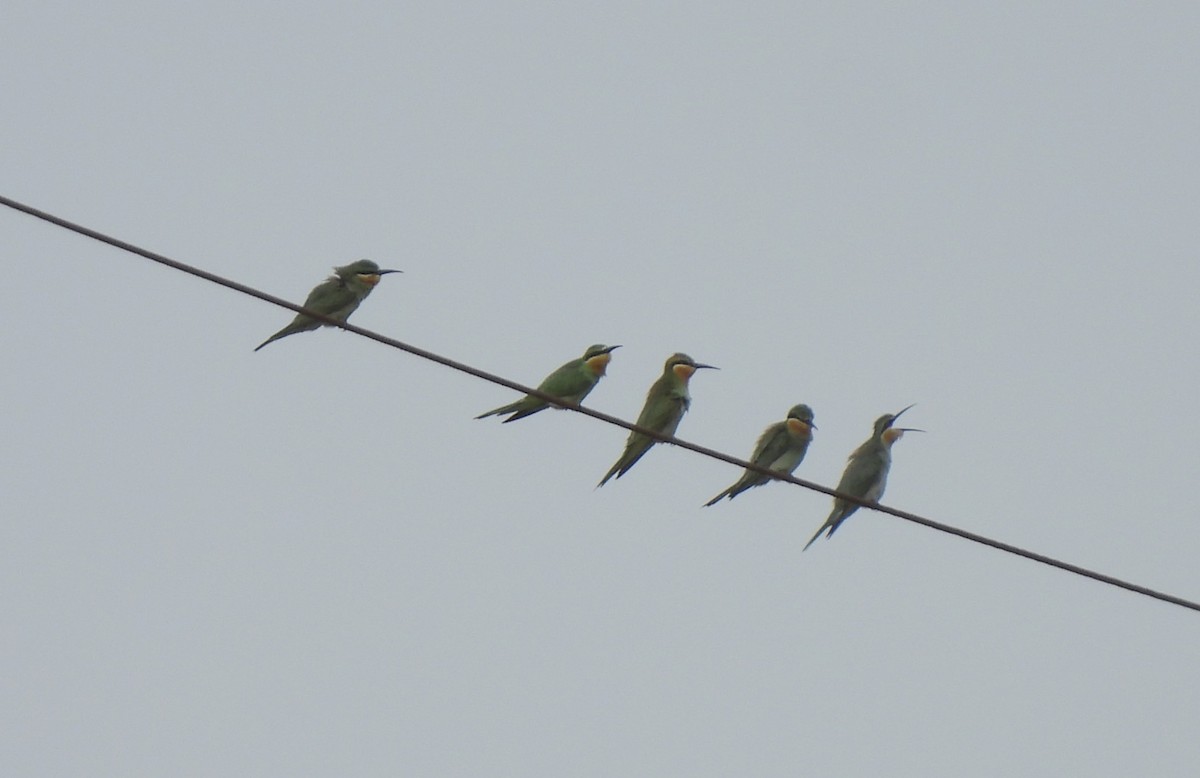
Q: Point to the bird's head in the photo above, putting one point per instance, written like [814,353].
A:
[365,271]
[598,356]
[684,366]
[889,434]
[800,420]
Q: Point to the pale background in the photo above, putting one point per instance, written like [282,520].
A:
[313,561]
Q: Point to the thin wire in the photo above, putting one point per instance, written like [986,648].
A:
[702,450]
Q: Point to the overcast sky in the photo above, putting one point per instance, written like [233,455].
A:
[312,560]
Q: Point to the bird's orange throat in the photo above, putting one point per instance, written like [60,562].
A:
[797,427]
[599,363]
[891,435]
[684,372]
[370,279]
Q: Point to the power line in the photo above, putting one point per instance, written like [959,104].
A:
[703,450]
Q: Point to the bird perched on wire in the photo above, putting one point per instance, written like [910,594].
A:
[337,296]
[666,402]
[781,448]
[570,383]
[866,473]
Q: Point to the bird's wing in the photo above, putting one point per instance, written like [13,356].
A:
[664,414]
[331,297]
[568,382]
[771,444]
[859,476]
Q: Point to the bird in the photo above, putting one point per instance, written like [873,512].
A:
[337,296]
[666,402]
[781,448]
[866,472]
[570,383]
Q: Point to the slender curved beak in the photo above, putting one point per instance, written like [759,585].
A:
[385,272]
[907,429]
[814,426]
[610,349]
[700,366]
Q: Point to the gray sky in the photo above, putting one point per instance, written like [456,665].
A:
[311,560]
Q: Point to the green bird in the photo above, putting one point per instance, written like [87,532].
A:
[866,473]
[666,402]
[569,383]
[337,296]
[781,448]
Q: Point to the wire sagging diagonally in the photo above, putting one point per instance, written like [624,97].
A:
[704,451]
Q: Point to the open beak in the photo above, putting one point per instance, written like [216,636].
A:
[897,415]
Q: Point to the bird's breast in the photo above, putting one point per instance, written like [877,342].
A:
[599,363]
[798,428]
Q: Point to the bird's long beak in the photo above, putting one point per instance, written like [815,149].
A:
[897,414]
[610,348]
[700,366]
[907,429]
[385,272]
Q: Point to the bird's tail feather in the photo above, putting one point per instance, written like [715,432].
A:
[523,412]
[282,333]
[635,449]
[299,324]
[499,411]
[612,471]
[816,535]
[727,493]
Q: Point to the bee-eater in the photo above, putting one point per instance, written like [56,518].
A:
[336,296]
[781,448]
[569,383]
[666,402]
[866,473]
